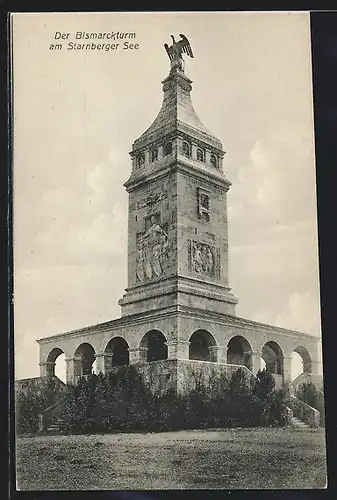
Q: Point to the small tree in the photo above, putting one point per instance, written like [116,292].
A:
[264,384]
[269,404]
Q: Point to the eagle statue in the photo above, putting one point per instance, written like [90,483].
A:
[178,48]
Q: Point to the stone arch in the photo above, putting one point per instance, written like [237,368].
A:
[154,343]
[305,358]
[272,355]
[186,149]
[168,148]
[53,359]
[214,161]
[154,154]
[140,159]
[239,352]
[84,359]
[200,155]
[201,344]
[118,352]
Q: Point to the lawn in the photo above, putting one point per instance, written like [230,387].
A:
[212,459]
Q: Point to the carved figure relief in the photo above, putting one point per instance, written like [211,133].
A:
[152,250]
[151,199]
[204,259]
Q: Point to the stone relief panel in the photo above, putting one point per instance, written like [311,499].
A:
[204,259]
[152,249]
[151,199]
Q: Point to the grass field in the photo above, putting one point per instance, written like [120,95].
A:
[212,459]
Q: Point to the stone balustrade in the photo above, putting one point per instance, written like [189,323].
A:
[304,412]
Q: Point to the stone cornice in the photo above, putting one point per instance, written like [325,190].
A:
[137,180]
[157,142]
[139,318]
[176,311]
[216,178]
[237,321]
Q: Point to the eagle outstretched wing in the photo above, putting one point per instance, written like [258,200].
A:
[169,51]
[176,50]
[185,46]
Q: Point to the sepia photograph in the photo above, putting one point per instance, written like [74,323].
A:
[167,320]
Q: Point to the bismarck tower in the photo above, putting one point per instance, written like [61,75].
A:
[178,247]
[178,312]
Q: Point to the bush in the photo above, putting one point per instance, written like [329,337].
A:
[29,404]
[121,402]
[314,397]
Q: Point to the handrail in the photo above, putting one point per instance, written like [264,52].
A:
[304,412]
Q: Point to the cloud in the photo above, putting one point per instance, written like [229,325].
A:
[301,313]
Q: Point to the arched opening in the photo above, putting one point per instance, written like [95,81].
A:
[140,160]
[200,155]
[118,351]
[154,154]
[214,161]
[273,357]
[201,343]
[85,360]
[239,352]
[60,367]
[186,149]
[168,148]
[56,364]
[154,343]
[300,362]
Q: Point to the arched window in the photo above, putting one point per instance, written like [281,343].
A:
[272,355]
[239,352]
[201,343]
[168,148]
[186,149]
[140,160]
[214,161]
[118,350]
[85,359]
[301,361]
[155,344]
[154,154]
[200,155]
[56,364]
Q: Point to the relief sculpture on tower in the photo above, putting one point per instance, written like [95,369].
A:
[152,251]
[204,259]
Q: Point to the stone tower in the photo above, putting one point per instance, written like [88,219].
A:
[177,223]
[178,312]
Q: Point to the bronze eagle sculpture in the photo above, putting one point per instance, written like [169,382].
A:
[176,50]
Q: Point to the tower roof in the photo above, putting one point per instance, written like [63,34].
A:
[177,113]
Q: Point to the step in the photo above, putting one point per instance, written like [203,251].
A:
[299,423]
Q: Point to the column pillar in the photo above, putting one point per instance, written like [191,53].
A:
[315,367]
[287,369]
[218,354]
[73,370]
[256,362]
[177,349]
[103,362]
[47,369]
[137,355]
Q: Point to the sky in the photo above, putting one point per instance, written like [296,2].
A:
[76,115]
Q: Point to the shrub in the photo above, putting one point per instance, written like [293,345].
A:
[29,404]
[314,397]
[121,402]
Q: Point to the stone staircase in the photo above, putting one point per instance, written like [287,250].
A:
[296,422]
[54,427]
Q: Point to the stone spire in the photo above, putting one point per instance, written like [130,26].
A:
[177,113]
